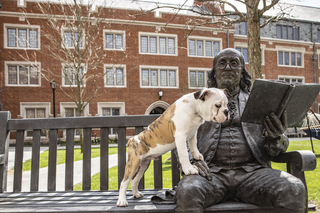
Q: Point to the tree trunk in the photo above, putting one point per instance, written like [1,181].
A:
[253,36]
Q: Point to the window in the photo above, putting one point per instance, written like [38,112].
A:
[111,112]
[198,77]
[290,79]
[22,74]
[318,35]
[22,37]
[115,76]
[36,113]
[203,47]
[287,32]
[287,58]
[240,28]
[72,112]
[73,76]
[161,44]
[73,39]
[114,40]
[159,77]
[244,51]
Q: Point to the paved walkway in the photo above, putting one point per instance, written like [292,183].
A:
[43,172]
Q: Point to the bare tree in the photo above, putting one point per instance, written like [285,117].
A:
[213,13]
[72,38]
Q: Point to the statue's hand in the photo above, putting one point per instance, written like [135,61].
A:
[203,168]
[275,126]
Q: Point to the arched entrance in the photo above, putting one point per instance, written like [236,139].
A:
[157,108]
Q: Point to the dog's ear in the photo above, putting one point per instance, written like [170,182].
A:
[226,92]
[202,94]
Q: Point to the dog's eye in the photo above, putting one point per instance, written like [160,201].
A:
[218,105]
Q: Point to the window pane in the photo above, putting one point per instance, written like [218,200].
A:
[201,79]
[22,38]
[41,113]
[69,112]
[290,33]
[200,48]
[109,76]
[192,47]
[243,30]
[12,70]
[279,31]
[216,48]
[119,76]
[318,35]
[119,40]
[11,37]
[109,41]
[163,78]
[171,47]
[193,79]
[296,33]
[153,45]
[115,112]
[34,77]
[162,45]
[280,58]
[68,76]
[145,77]
[286,58]
[208,48]
[154,77]
[68,39]
[144,44]
[299,63]
[23,75]
[77,39]
[172,78]
[284,32]
[30,113]
[237,28]
[245,54]
[106,112]
[33,38]
[293,59]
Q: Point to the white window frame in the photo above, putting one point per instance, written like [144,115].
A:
[64,79]
[204,39]
[292,77]
[205,70]
[22,63]
[34,105]
[158,35]
[115,66]
[141,67]
[114,32]
[73,30]
[290,50]
[17,27]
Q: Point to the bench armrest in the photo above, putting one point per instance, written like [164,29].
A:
[304,160]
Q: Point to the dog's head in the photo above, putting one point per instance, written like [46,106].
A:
[213,104]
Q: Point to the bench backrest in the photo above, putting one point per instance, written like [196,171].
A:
[69,125]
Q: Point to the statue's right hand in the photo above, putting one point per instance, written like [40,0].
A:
[203,168]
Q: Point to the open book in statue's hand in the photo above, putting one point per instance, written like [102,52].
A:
[276,96]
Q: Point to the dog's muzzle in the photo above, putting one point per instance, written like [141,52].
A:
[226,112]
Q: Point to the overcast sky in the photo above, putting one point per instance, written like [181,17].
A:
[312,3]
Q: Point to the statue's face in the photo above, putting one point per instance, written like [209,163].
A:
[228,70]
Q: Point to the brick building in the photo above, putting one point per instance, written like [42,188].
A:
[158,57]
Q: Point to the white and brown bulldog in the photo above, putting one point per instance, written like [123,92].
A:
[178,124]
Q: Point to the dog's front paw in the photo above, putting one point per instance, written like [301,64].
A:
[122,203]
[197,156]
[190,170]
[138,195]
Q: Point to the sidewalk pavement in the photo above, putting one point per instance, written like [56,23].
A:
[43,172]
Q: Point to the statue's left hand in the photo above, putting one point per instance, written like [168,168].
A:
[275,126]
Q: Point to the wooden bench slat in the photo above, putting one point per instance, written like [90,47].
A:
[52,164]
[104,159]
[35,160]
[141,183]
[121,153]
[69,160]
[157,168]
[86,172]
[18,161]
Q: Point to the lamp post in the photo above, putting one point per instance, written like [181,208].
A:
[53,86]
[160,94]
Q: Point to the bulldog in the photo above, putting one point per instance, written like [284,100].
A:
[177,125]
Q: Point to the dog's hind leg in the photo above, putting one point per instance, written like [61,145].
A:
[135,182]
[130,170]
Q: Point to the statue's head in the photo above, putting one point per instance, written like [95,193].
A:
[229,71]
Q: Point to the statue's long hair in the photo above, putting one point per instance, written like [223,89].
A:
[245,81]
